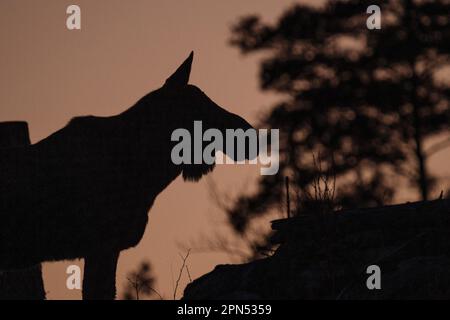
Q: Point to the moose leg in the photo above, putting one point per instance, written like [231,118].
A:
[99,281]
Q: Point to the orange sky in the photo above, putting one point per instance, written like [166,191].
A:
[124,50]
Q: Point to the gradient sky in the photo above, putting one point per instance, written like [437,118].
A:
[124,50]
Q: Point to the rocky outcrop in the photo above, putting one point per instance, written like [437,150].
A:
[325,256]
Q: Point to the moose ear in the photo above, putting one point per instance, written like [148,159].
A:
[180,77]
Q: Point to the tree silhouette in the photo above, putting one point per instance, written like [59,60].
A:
[140,283]
[363,101]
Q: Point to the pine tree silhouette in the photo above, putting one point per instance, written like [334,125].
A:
[363,100]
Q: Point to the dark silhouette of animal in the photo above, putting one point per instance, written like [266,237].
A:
[85,191]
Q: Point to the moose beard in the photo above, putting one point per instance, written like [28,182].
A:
[194,172]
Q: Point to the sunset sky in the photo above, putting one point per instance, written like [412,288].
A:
[124,50]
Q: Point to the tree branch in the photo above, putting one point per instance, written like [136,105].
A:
[438,147]
[180,274]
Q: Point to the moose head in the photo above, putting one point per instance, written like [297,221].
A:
[200,127]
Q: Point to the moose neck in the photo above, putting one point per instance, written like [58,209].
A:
[152,120]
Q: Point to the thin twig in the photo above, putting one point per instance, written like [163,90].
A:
[288,202]
[180,274]
[188,273]
[438,147]
[160,296]
[135,284]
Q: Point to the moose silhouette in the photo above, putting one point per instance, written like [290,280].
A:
[85,191]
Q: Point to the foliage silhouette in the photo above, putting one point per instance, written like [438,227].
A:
[140,283]
[366,100]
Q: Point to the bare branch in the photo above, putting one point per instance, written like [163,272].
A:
[188,273]
[153,290]
[180,274]
[136,286]
[438,147]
